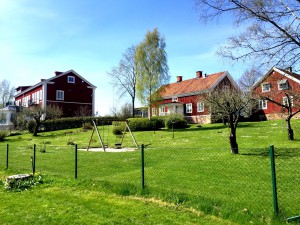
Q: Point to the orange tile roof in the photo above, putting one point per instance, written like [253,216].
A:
[194,85]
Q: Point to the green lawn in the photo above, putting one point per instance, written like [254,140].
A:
[188,178]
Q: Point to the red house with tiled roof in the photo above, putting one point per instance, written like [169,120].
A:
[67,90]
[274,84]
[187,97]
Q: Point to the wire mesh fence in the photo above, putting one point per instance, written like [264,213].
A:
[287,162]
[209,179]
[213,178]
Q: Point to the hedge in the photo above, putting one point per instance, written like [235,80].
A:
[74,122]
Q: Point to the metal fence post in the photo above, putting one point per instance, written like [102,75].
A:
[7,149]
[142,167]
[33,159]
[76,159]
[274,185]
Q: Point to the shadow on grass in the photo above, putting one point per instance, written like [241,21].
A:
[279,152]
[216,126]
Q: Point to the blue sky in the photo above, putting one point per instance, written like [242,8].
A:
[89,36]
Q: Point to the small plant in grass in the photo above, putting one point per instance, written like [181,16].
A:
[23,184]
[87,126]
[46,142]
[43,149]
[70,141]
[3,135]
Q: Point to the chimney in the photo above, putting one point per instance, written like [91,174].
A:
[179,79]
[198,74]
[290,69]
[57,73]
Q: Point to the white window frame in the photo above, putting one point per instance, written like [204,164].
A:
[71,79]
[262,104]
[189,108]
[200,106]
[41,95]
[154,111]
[283,82]
[285,101]
[60,95]
[264,85]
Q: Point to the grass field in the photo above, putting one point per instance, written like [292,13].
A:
[190,179]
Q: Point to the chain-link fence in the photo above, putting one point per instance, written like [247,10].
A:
[211,180]
[287,164]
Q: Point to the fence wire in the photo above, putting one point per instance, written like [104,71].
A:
[213,177]
[209,179]
[287,162]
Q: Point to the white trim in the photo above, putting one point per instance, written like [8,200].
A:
[283,82]
[58,93]
[285,100]
[202,106]
[268,74]
[261,106]
[44,94]
[190,107]
[71,79]
[93,102]
[53,78]
[265,90]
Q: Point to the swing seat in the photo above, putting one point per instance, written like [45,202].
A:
[118,145]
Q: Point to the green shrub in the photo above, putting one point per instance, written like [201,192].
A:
[3,135]
[178,121]
[30,126]
[87,126]
[118,130]
[158,122]
[75,122]
[144,124]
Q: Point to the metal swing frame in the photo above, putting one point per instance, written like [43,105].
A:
[95,128]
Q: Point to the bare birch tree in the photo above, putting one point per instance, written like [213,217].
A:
[124,76]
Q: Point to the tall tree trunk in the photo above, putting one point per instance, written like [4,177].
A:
[232,136]
[233,144]
[132,100]
[35,130]
[289,128]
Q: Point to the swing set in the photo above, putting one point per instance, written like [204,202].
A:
[101,140]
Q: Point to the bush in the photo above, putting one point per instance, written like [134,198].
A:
[87,126]
[158,122]
[118,130]
[30,126]
[176,120]
[3,135]
[144,124]
[75,122]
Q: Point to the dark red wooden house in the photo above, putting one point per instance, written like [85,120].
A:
[187,97]
[274,84]
[67,90]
